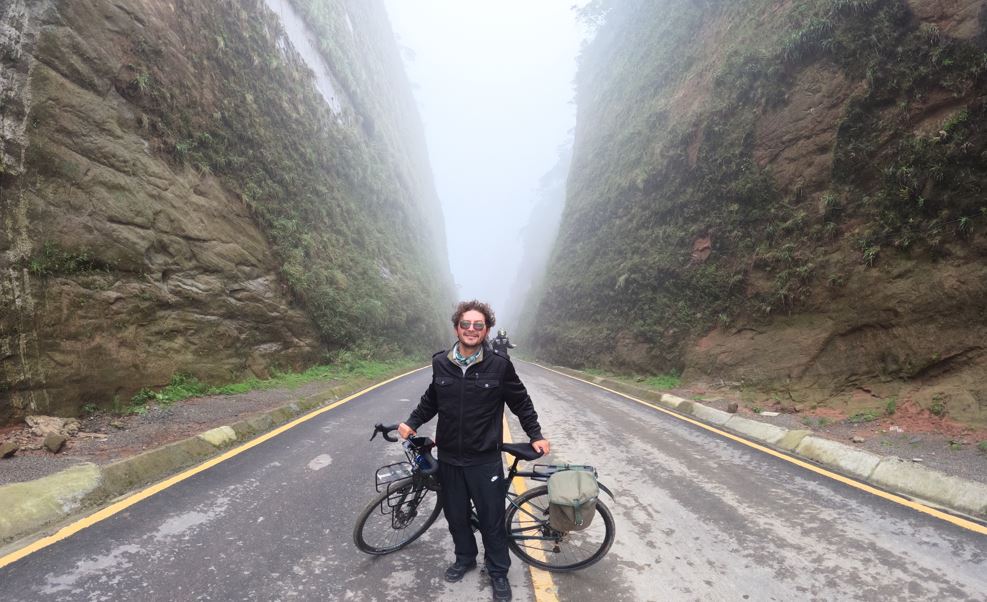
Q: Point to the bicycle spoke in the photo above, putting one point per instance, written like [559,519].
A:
[400,516]
[537,543]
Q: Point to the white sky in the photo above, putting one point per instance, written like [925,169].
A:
[493,80]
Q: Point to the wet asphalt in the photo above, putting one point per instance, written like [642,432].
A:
[699,517]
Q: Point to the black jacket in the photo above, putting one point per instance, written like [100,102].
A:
[502,344]
[471,407]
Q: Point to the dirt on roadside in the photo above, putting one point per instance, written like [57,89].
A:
[910,432]
[105,437]
[903,429]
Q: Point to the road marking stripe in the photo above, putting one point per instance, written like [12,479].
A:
[127,502]
[958,521]
[541,581]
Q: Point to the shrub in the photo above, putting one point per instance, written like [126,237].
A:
[142,397]
[861,417]
[181,386]
[55,260]
[663,381]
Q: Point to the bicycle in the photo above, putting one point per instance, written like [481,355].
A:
[408,503]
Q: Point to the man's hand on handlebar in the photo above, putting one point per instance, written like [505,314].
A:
[406,431]
[541,446]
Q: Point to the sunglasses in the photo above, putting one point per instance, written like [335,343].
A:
[465,325]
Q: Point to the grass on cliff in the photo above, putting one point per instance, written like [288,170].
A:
[344,199]
[659,182]
[346,369]
[54,260]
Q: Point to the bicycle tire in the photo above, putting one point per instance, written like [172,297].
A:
[531,511]
[367,538]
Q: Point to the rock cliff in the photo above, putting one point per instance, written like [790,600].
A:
[783,195]
[179,193]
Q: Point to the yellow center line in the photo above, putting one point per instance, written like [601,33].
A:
[956,520]
[541,581]
[127,502]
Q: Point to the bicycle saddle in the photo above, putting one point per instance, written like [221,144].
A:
[521,450]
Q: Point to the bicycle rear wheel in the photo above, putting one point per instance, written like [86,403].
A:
[533,540]
[396,517]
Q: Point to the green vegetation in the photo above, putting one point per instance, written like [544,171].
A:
[345,200]
[816,421]
[662,382]
[861,417]
[346,367]
[182,386]
[141,83]
[662,175]
[982,446]
[890,406]
[53,260]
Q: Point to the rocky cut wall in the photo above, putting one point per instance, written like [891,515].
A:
[178,196]
[788,195]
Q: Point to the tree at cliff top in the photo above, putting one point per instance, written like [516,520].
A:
[177,196]
[787,194]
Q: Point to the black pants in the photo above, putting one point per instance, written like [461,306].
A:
[484,484]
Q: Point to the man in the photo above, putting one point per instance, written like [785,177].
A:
[501,344]
[470,385]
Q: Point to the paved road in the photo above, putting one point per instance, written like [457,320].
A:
[699,518]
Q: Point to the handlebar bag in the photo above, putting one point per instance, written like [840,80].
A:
[572,498]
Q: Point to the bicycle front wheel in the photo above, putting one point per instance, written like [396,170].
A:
[533,540]
[396,517]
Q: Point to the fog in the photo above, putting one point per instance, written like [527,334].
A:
[493,82]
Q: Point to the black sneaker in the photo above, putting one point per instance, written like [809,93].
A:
[456,571]
[501,588]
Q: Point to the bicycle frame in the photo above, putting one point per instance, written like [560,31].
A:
[546,471]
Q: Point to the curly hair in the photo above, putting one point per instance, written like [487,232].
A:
[483,308]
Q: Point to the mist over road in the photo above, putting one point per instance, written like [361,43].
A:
[698,518]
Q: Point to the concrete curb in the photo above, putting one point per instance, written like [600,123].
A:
[31,506]
[886,472]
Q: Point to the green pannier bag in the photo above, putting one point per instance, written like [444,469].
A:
[572,499]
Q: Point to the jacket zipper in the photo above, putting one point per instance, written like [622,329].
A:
[462,394]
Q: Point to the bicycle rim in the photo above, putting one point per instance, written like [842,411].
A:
[533,540]
[396,517]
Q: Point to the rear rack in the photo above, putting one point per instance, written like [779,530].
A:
[541,472]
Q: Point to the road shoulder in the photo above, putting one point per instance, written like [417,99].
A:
[935,488]
[37,507]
